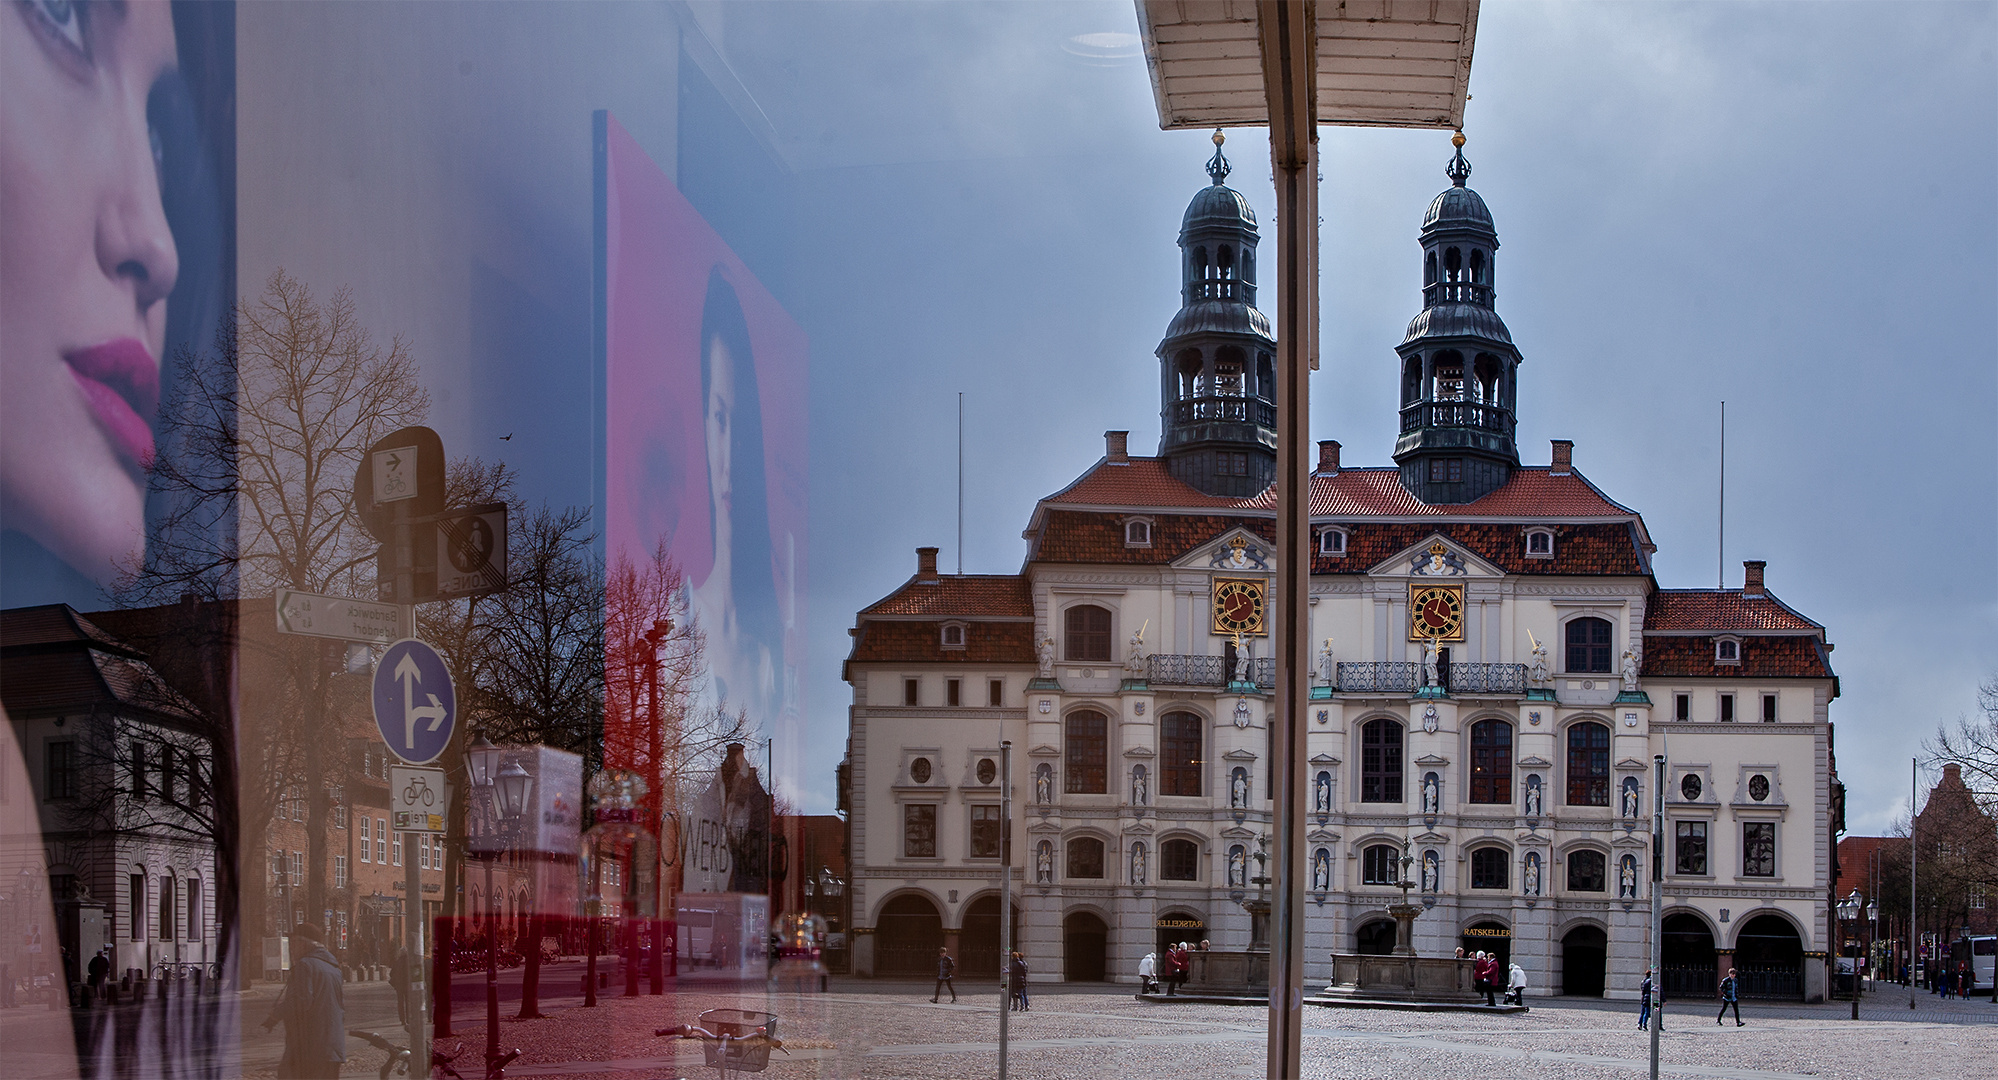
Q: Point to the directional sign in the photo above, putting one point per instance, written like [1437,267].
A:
[415,706]
[395,473]
[416,799]
[337,617]
[471,551]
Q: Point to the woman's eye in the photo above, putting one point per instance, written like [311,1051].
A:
[64,19]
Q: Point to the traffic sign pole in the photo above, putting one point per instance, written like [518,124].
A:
[422,978]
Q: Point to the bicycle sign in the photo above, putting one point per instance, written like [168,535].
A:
[416,799]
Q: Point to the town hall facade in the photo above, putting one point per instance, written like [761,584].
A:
[1496,667]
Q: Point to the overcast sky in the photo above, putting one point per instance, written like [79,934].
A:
[1786,206]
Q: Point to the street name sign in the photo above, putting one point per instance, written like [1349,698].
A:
[416,799]
[337,617]
[471,551]
[415,704]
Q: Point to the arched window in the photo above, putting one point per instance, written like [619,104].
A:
[1265,377]
[1380,864]
[1179,860]
[1085,857]
[1491,868]
[1491,762]
[1453,263]
[1226,263]
[1589,765]
[1411,380]
[1380,761]
[1588,871]
[1429,269]
[1179,751]
[1589,646]
[1086,758]
[167,912]
[1449,370]
[1477,266]
[1088,637]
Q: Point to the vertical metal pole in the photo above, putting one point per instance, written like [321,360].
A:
[960,481]
[1720,557]
[1288,37]
[420,976]
[1005,895]
[492,961]
[1657,906]
[1914,853]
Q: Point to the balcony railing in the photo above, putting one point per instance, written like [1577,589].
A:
[1246,410]
[1379,676]
[1169,669]
[1485,678]
[1463,414]
[1355,677]
[1456,292]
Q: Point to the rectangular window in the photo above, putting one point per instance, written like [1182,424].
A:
[1758,849]
[984,832]
[1446,470]
[59,770]
[381,841]
[919,831]
[1380,761]
[1179,860]
[1179,752]
[1682,706]
[908,691]
[1088,634]
[995,693]
[423,851]
[1087,755]
[367,839]
[340,921]
[951,692]
[395,849]
[298,868]
[1727,708]
[139,769]
[1769,708]
[194,928]
[1380,865]
[1491,762]
[339,871]
[339,817]
[137,900]
[1690,857]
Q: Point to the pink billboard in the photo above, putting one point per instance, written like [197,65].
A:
[705,441]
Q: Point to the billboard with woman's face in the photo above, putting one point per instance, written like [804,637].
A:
[705,379]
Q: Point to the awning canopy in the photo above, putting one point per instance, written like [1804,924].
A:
[1380,63]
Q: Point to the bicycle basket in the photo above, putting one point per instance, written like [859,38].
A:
[753,1029]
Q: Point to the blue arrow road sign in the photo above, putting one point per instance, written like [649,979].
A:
[415,706]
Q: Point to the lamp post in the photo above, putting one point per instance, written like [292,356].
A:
[1872,933]
[1849,910]
[507,785]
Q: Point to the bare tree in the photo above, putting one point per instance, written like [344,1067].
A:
[1973,744]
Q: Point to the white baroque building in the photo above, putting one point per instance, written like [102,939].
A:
[1497,666]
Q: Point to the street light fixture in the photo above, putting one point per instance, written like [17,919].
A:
[507,785]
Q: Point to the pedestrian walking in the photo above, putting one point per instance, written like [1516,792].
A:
[1016,979]
[99,968]
[313,1010]
[1148,970]
[1644,990]
[1515,984]
[946,972]
[1730,996]
[399,979]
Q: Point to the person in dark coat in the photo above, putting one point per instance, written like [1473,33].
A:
[1730,996]
[1644,1006]
[946,971]
[1177,965]
[313,1010]
[100,967]
[1486,974]
[1016,980]
[399,979]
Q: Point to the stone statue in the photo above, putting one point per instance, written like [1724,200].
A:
[1429,658]
[1043,784]
[1626,878]
[1134,665]
[1045,650]
[1630,796]
[1432,794]
[1138,864]
[1044,863]
[1243,663]
[1321,871]
[1321,793]
[1238,789]
[1533,796]
[1238,867]
[1138,786]
[1328,669]
[1432,871]
[1629,672]
[1537,674]
[1530,881]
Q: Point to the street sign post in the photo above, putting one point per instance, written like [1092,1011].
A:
[415,704]
[416,799]
[337,617]
[395,473]
[471,551]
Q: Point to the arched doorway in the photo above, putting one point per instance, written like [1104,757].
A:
[978,943]
[1375,938]
[1176,926]
[1491,937]
[1584,957]
[1085,947]
[1687,948]
[907,935]
[1769,958]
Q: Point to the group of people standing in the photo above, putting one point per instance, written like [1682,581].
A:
[1170,969]
[1491,977]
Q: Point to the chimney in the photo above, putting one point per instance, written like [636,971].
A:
[1564,457]
[926,564]
[1115,447]
[1952,776]
[1751,577]
[1328,458]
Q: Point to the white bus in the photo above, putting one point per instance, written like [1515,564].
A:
[1977,953]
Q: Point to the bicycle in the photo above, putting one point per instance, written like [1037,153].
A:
[398,1056]
[732,1039]
[410,793]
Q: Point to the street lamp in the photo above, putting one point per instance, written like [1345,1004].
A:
[507,785]
[1849,910]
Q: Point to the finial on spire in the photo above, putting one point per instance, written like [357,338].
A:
[1458,170]
[1217,166]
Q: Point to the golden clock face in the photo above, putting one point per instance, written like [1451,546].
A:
[1238,606]
[1436,611]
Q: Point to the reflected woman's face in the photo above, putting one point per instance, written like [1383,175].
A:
[86,263]
[716,418]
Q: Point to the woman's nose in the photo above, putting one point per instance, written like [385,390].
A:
[135,245]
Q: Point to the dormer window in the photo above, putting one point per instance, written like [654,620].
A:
[1138,532]
[1727,650]
[953,635]
[1539,543]
[1332,542]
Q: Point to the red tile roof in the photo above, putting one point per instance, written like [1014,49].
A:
[922,642]
[965,596]
[1144,482]
[1787,657]
[54,661]
[1716,611]
[1081,536]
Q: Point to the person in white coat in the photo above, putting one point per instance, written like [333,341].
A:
[1515,985]
[1148,970]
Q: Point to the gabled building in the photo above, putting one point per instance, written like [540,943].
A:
[1497,665]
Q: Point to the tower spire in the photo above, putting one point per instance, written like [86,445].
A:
[1217,166]
[1458,170]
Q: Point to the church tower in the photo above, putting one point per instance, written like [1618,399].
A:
[1458,363]
[1217,364]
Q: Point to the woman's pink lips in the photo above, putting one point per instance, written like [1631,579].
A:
[121,380]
